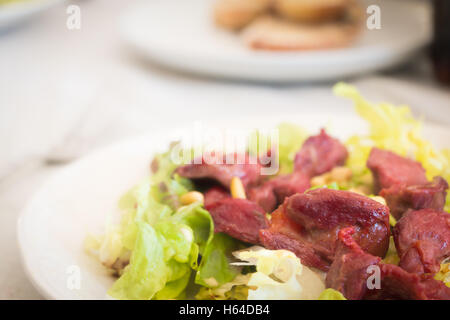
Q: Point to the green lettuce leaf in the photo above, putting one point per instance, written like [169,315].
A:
[147,272]
[290,140]
[392,128]
[215,268]
[332,185]
[200,221]
[174,289]
[331,294]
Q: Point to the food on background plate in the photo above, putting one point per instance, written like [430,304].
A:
[235,14]
[311,10]
[313,230]
[291,24]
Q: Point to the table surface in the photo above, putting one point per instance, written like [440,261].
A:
[64,93]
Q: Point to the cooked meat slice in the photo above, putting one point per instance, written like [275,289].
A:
[240,218]
[273,192]
[320,154]
[215,194]
[288,185]
[264,196]
[323,210]
[390,169]
[349,274]
[314,219]
[398,284]
[284,234]
[401,198]
[249,172]
[422,239]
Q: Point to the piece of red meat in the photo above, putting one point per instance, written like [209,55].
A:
[249,172]
[264,196]
[398,284]
[401,198]
[320,154]
[240,218]
[349,274]
[313,219]
[390,169]
[215,194]
[284,234]
[273,192]
[422,239]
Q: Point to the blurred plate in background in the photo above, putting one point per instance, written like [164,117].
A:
[181,35]
[18,11]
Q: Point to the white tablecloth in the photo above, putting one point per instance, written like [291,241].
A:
[64,93]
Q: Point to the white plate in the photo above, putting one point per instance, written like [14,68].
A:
[78,199]
[180,34]
[13,13]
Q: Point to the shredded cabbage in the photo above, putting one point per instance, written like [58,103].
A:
[279,275]
[392,128]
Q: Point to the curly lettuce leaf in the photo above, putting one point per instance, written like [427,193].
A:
[215,268]
[391,255]
[290,140]
[138,205]
[147,272]
[392,128]
[236,289]
[167,187]
[173,248]
[154,226]
[200,221]
[333,186]
[174,289]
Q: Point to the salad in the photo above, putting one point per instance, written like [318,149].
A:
[365,218]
